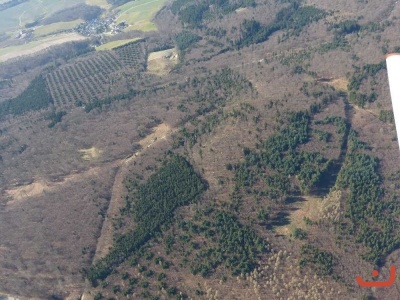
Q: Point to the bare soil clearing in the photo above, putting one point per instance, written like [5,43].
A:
[91,153]
[241,9]
[339,83]
[161,62]
[39,187]
[313,208]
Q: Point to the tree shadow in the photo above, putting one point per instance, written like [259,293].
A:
[294,199]
[281,219]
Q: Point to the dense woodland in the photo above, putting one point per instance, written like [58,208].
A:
[236,246]
[175,184]
[291,19]
[193,14]
[370,214]
[35,97]
[278,161]
[360,75]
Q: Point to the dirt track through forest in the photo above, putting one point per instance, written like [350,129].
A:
[117,201]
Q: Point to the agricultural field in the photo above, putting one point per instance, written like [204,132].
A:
[15,17]
[50,20]
[132,54]
[101,3]
[83,80]
[38,45]
[115,44]
[95,76]
[139,14]
[55,28]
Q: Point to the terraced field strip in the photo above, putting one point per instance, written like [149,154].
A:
[100,72]
[60,87]
[72,84]
[132,54]
[83,95]
[52,88]
[56,88]
[66,86]
[110,59]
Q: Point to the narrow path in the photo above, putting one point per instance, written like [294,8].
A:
[106,237]
[20,19]
[117,201]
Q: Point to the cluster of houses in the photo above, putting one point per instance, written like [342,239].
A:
[89,28]
[24,34]
[99,26]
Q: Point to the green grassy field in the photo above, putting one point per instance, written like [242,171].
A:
[102,3]
[114,44]
[26,46]
[38,45]
[139,14]
[55,28]
[11,19]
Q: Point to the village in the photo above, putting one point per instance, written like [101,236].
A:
[99,26]
[24,34]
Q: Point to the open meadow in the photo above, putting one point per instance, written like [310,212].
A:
[38,45]
[115,44]
[55,28]
[18,16]
[139,14]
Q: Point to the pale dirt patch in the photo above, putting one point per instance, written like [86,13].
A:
[26,191]
[241,9]
[37,188]
[161,62]
[90,154]
[38,46]
[339,84]
[313,208]
[8,297]
[159,133]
